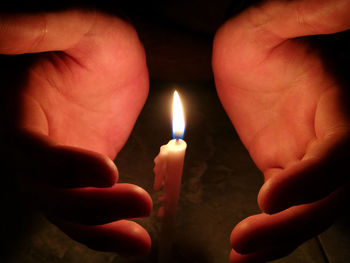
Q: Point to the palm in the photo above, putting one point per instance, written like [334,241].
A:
[276,101]
[85,88]
[89,101]
[290,114]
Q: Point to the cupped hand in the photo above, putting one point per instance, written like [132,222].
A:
[72,114]
[292,116]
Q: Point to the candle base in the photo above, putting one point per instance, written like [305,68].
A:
[165,248]
[168,173]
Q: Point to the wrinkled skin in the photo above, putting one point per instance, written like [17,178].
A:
[82,96]
[76,109]
[290,113]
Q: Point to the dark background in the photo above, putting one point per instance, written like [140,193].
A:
[220,182]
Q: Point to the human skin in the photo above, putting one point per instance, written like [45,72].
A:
[73,113]
[268,89]
[292,116]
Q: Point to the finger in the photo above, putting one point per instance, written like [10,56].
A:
[258,30]
[62,166]
[85,36]
[28,33]
[95,206]
[75,167]
[322,171]
[124,237]
[260,256]
[288,228]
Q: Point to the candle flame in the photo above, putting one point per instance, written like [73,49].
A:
[178,117]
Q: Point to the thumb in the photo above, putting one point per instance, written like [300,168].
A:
[43,161]
[290,19]
[30,33]
[322,171]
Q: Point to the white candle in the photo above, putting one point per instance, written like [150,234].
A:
[168,173]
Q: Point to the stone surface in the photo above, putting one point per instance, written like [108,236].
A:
[336,241]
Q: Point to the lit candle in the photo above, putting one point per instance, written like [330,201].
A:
[168,173]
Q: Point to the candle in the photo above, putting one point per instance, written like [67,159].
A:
[168,173]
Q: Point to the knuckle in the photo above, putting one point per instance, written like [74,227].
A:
[40,32]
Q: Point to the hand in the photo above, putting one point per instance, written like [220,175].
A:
[291,114]
[74,111]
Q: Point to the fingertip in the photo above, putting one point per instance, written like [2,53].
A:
[133,200]
[269,199]
[236,257]
[239,238]
[145,203]
[124,237]
[113,176]
[263,197]
[232,256]
[103,169]
[105,205]
[139,241]
[76,167]
[142,239]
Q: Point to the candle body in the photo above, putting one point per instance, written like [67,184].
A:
[168,173]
